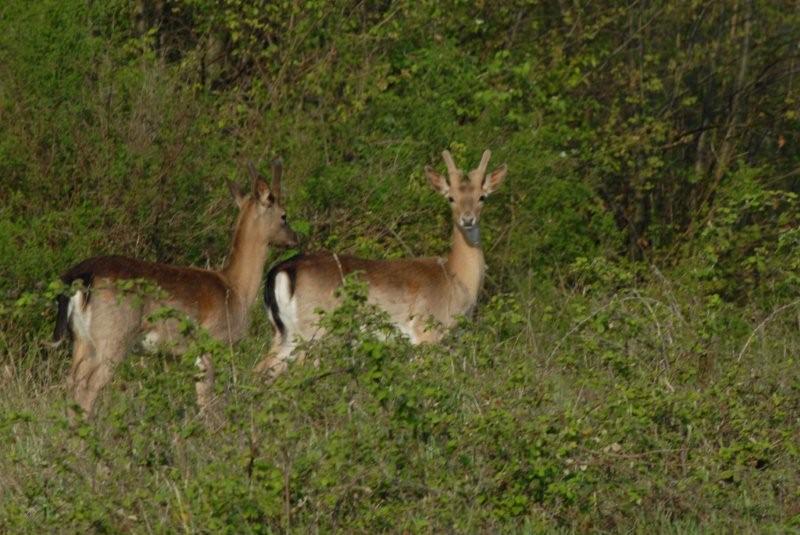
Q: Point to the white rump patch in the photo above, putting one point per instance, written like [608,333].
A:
[407,330]
[80,316]
[287,306]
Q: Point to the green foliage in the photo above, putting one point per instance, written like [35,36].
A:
[631,364]
[563,418]
[749,244]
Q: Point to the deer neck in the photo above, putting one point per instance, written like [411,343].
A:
[245,265]
[465,262]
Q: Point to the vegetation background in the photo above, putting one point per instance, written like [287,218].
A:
[633,362]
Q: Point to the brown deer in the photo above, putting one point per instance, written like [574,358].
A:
[412,291]
[106,319]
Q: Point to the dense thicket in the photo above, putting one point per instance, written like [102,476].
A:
[631,126]
[632,362]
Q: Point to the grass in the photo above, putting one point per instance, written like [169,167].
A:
[610,412]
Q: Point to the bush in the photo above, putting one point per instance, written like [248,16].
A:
[629,366]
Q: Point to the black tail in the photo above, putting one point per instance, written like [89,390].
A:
[289,266]
[62,318]
[62,321]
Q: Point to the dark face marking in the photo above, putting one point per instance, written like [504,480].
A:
[466,198]
[466,192]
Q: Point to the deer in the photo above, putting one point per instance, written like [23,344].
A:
[105,321]
[412,291]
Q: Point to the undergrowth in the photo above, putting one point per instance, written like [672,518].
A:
[632,362]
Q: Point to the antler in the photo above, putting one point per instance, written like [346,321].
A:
[277,173]
[254,175]
[484,161]
[251,168]
[451,165]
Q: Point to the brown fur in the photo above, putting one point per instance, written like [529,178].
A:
[107,319]
[199,291]
[412,291]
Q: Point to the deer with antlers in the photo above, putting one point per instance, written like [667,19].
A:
[105,319]
[412,291]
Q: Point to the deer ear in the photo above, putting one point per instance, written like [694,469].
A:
[493,180]
[236,193]
[261,192]
[436,180]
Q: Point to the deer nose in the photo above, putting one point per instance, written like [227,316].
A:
[467,220]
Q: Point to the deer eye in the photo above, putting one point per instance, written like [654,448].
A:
[450,199]
[482,198]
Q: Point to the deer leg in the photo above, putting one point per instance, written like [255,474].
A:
[265,364]
[423,333]
[81,350]
[204,383]
[277,359]
[81,369]
[94,376]
[95,371]
[272,366]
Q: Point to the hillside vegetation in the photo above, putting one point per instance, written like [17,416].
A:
[632,365]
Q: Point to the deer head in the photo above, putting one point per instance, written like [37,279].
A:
[261,208]
[466,194]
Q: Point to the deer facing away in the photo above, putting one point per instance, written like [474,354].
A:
[411,291]
[106,321]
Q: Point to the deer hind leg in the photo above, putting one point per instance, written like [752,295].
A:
[283,343]
[279,356]
[421,331]
[92,371]
[82,368]
[108,326]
